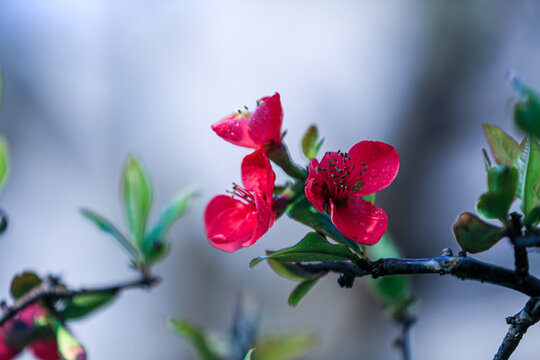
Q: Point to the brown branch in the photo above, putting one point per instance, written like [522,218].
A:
[51,291]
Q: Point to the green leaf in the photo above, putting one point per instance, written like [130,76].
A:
[475,235]
[155,246]
[527,161]
[106,226]
[313,247]
[4,162]
[289,271]
[393,289]
[195,336]
[69,347]
[503,146]
[137,192]
[527,110]
[301,290]
[248,355]
[502,186]
[23,283]
[83,304]
[289,346]
[310,142]
[533,218]
[304,212]
[370,198]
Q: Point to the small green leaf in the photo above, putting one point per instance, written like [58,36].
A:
[503,146]
[137,192]
[394,289]
[304,212]
[527,110]
[155,246]
[69,347]
[310,142]
[289,346]
[83,304]
[370,198]
[195,336]
[23,283]
[313,247]
[106,226]
[527,161]
[248,355]
[533,218]
[289,271]
[4,162]
[475,235]
[502,187]
[301,290]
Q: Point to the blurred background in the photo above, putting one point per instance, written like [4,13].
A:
[90,81]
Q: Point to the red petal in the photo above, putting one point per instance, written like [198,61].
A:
[257,174]
[46,349]
[313,190]
[359,220]
[265,219]
[228,223]
[235,130]
[265,123]
[382,162]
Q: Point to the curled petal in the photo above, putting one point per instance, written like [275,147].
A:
[265,122]
[381,162]
[46,349]
[257,174]
[264,218]
[235,130]
[359,220]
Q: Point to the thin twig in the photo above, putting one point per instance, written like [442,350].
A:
[52,292]
[519,324]
[458,266]
[403,342]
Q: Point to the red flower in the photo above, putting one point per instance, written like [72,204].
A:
[336,186]
[253,130]
[42,348]
[7,350]
[233,223]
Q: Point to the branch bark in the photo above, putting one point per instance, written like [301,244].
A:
[52,291]
[464,268]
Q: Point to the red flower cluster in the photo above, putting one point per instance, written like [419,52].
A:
[336,186]
[14,335]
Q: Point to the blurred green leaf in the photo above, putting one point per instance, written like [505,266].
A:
[248,355]
[310,142]
[4,162]
[106,226]
[313,247]
[289,346]
[304,212]
[68,346]
[527,110]
[502,187]
[393,289]
[155,246]
[301,290]
[83,304]
[503,146]
[195,336]
[370,198]
[23,283]
[137,192]
[289,271]
[475,235]
[527,161]
[533,218]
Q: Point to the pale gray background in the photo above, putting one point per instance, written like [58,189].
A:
[89,81]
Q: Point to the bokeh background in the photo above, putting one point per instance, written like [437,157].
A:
[89,81]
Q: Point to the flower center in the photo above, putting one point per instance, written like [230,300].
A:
[342,177]
[242,194]
[242,112]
